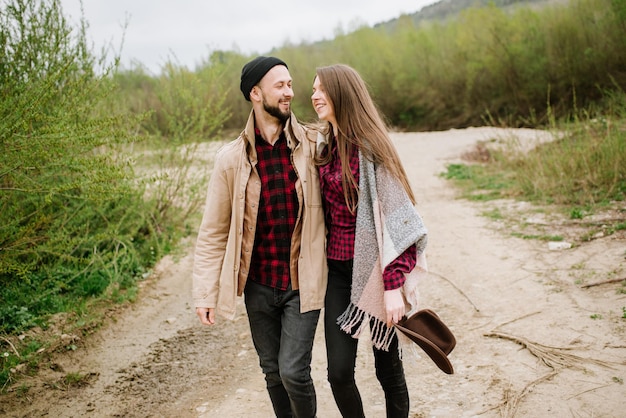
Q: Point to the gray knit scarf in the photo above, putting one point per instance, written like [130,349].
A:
[387,223]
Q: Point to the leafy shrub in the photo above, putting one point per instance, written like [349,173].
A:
[71,214]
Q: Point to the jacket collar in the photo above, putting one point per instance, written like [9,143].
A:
[293,132]
[321,142]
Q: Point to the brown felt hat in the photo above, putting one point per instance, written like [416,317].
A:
[432,335]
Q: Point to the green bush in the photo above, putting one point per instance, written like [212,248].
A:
[517,66]
[73,221]
[181,105]
[512,67]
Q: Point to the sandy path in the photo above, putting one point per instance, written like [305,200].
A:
[155,360]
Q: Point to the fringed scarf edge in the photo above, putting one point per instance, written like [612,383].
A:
[354,320]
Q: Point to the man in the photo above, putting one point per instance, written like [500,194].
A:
[263,235]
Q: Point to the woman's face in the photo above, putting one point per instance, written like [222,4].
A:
[322,105]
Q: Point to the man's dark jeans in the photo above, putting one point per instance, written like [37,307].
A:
[283,338]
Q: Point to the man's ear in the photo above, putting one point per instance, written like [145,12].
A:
[256,93]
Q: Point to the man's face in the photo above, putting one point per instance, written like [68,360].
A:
[276,92]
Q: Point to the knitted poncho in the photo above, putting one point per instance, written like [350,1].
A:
[387,224]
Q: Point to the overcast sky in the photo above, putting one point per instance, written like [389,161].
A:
[186,31]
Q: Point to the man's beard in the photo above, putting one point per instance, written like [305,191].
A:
[276,112]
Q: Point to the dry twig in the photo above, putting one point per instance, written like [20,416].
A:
[587,391]
[509,406]
[604,282]
[456,287]
[553,357]
[12,346]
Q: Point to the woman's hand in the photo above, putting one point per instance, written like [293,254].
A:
[394,306]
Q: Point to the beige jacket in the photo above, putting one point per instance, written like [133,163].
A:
[226,235]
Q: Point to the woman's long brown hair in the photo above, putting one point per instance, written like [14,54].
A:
[359,124]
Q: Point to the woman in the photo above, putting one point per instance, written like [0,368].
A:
[375,238]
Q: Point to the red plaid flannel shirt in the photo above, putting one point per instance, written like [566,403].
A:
[341,224]
[278,210]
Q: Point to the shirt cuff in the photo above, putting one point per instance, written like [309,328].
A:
[394,273]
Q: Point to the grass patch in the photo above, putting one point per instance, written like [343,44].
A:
[547,238]
[579,176]
[494,214]
[76,380]
[479,182]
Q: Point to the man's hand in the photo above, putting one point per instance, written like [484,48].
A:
[394,306]
[206,315]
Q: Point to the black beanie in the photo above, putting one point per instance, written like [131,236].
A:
[254,71]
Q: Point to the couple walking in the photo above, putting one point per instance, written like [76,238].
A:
[304,217]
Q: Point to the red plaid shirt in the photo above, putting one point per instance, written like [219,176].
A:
[341,224]
[278,210]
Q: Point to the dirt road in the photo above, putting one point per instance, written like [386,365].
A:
[531,340]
